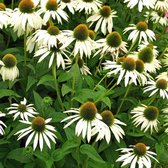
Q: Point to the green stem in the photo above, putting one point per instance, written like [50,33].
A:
[100,82]
[25,53]
[132,45]
[162,54]
[126,93]
[155,165]
[56,84]
[12,4]
[152,99]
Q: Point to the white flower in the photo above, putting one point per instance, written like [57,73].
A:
[88,6]
[49,37]
[51,9]
[147,44]
[9,70]
[82,66]
[141,3]
[40,131]
[112,126]
[87,117]
[163,75]
[25,18]
[160,86]
[151,63]
[137,155]
[103,19]
[161,5]
[165,111]
[158,17]
[112,45]
[79,37]
[5,13]
[140,32]
[22,110]
[55,53]
[2,124]
[71,5]
[146,116]
[124,70]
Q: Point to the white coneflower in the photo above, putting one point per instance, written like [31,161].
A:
[161,5]
[79,37]
[89,6]
[87,117]
[147,44]
[141,3]
[164,58]
[22,110]
[71,5]
[146,116]
[140,32]
[112,127]
[24,18]
[39,131]
[2,124]
[158,17]
[51,9]
[49,37]
[82,66]
[165,112]
[150,61]
[5,13]
[163,75]
[103,19]
[112,44]
[124,70]
[137,156]
[55,53]
[160,86]
[9,70]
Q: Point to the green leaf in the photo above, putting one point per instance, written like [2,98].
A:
[66,89]
[94,164]
[107,101]
[67,148]
[91,152]
[7,92]
[45,157]
[56,116]
[19,155]
[31,81]
[65,76]
[38,101]
[45,79]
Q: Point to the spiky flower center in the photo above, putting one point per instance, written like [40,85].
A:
[161,84]
[26,6]
[92,34]
[114,39]
[9,60]
[140,149]
[2,6]
[53,30]
[38,124]
[105,11]
[146,55]
[142,26]
[108,117]
[88,111]
[140,66]
[22,108]
[129,64]
[81,32]
[151,113]
[52,5]
[66,1]
[88,1]
[150,46]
